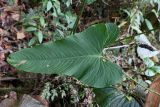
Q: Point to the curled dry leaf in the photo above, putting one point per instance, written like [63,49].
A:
[153,100]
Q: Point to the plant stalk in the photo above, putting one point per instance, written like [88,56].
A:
[78,18]
[149,89]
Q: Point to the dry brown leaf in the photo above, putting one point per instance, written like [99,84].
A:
[20,35]
[11,8]
[15,16]
[10,14]
[3,32]
[153,100]
[2,56]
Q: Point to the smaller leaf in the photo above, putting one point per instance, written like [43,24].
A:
[30,23]
[68,3]
[149,72]
[149,63]
[63,94]
[58,34]
[49,5]
[57,7]
[156,69]
[30,29]
[39,35]
[149,25]
[54,94]
[32,41]
[148,81]
[42,21]
[71,19]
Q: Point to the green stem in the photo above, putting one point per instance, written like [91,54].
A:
[78,18]
[149,89]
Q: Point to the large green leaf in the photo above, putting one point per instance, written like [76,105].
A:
[110,97]
[79,55]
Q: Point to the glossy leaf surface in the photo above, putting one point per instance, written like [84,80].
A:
[79,55]
[110,97]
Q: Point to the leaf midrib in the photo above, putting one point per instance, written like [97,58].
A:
[70,57]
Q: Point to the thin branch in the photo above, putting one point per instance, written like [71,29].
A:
[14,89]
[115,47]
[147,31]
[95,21]
[137,34]
[14,78]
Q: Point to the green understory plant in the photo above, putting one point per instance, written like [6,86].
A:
[50,92]
[69,92]
[57,24]
[34,23]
